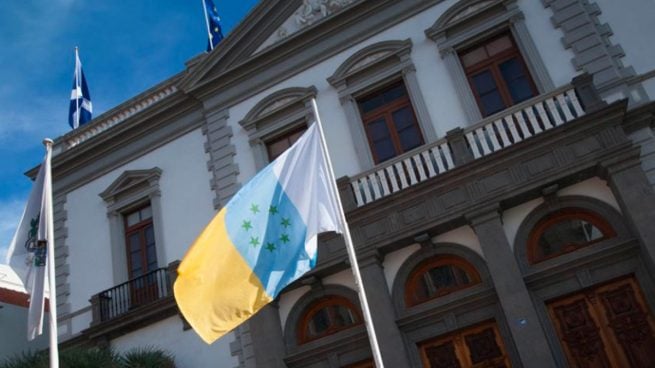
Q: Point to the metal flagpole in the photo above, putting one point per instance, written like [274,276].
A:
[77,87]
[349,246]
[54,349]
[209,32]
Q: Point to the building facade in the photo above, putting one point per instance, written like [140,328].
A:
[495,159]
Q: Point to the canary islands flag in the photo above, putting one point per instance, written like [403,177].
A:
[262,240]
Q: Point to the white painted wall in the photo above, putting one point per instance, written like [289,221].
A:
[463,236]
[436,84]
[187,348]
[549,42]
[632,24]
[394,260]
[186,201]
[13,332]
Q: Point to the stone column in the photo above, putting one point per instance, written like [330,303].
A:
[392,347]
[529,338]
[267,338]
[636,199]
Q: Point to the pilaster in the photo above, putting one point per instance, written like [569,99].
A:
[392,347]
[529,337]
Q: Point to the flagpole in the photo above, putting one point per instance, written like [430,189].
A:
[209,34]
[349,246]
[47,185]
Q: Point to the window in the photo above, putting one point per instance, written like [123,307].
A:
[140,242]
[327,316]
[489,74]
[437,277]
[383,103]
[480,346]
[565,231]
[135,217]
[277,145]
[277,121]
[390,123]
[497,74]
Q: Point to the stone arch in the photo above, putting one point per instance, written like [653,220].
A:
[598,207]
[318,291]
[431,251]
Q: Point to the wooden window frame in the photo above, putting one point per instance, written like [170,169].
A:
[417,274]
[492,64]
[562,215]
[284,135]
[385,111]
[324,303]
[139,227]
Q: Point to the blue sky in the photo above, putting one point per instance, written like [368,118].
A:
[126,46]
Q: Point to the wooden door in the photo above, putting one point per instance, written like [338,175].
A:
[477,347]
[606,326]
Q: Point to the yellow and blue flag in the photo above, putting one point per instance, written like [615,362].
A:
[261,241]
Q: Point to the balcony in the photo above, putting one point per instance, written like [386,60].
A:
[132,294]
[494,133]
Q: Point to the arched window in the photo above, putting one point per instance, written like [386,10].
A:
[437,277]
[565,231]
[327,316]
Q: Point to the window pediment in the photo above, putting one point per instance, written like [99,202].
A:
[288,102]
[131,182]
[466,12]
[373,57]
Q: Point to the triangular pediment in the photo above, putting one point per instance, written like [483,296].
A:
[129,181]
[269,24]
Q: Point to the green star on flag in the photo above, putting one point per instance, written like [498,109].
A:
[284,238]
[273,210]
[254,208]
[286,222]
[270,247]
[254,241]
[247,225]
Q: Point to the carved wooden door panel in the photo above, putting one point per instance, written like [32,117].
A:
[477,347]
[606,326]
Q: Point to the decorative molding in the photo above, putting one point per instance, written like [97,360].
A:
[308,14]
[118,114]
[221,152]
[369,58]
[121,191]
[133,188]
[590,42]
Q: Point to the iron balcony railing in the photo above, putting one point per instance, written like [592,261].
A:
[140,291]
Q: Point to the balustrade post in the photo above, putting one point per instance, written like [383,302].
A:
[172,273]
[460,150]
[587,93]
[346,193]
[96,316]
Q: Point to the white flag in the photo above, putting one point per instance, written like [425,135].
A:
[27,253]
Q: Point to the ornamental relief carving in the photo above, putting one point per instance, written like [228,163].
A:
[310,12]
